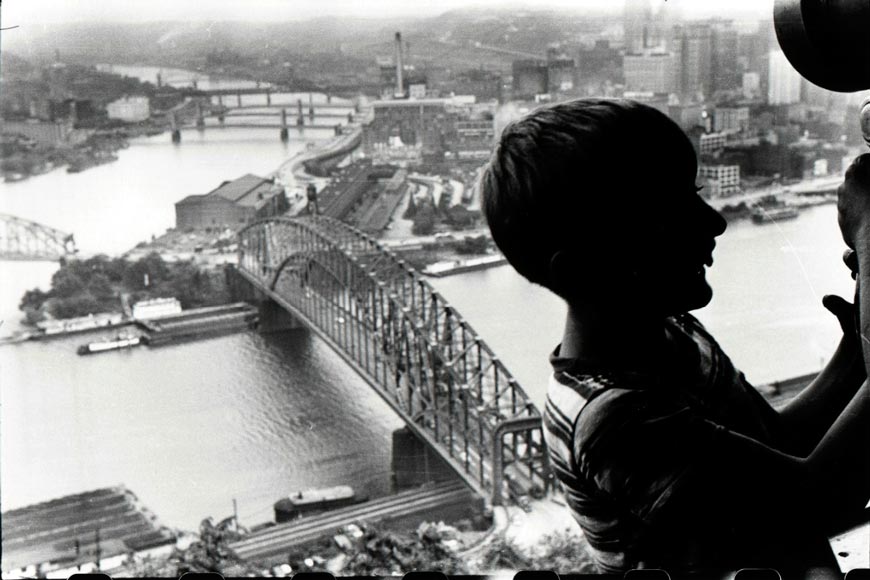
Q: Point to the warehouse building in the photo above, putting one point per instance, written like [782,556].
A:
[233,204]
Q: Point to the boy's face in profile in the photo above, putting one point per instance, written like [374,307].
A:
[674,243]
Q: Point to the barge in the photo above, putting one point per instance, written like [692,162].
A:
[448,268]
[200,322]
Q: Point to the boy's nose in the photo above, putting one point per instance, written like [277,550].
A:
[714,220]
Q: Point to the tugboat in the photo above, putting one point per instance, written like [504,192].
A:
[770,209]
[121,341]
[761,214]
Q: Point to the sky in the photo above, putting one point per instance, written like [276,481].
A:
[33,12]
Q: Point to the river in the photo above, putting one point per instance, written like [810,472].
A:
[253,417]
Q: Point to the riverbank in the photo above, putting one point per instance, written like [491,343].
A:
[746,208]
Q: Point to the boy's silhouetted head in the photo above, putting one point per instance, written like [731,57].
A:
[595,199]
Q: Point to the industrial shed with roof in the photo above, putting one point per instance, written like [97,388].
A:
[232,204]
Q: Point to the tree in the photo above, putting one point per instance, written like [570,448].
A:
[73,306]
[424,221]
[190,285]
[390,553]
[33,299]
[562,552]
[65,283]
[100,287]
[411,210]
[147,271]
[476,245]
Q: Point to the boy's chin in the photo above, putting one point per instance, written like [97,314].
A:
[698,295]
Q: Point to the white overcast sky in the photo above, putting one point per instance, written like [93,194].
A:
[33,12]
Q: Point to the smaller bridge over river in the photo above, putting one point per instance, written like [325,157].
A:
[337,117]
[22,239]
[406,342]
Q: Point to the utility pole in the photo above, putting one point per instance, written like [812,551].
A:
[97,552]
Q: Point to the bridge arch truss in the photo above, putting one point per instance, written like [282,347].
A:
[408,343]
[22,239]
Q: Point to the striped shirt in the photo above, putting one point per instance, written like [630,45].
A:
[648,470]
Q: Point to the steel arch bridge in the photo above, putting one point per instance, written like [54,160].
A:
[21,239]
[408,343]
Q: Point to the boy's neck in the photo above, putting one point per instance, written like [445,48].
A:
[613,336]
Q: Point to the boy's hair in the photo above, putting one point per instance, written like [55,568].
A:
[583,173]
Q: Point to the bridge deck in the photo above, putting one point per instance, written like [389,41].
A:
[289,106]
[409,345]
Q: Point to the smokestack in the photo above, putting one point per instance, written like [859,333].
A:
[400,92]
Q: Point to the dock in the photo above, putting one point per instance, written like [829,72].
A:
[79,529]
[450,267]
[199,322]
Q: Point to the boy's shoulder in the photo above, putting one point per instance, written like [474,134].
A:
[596,402]
[622,409]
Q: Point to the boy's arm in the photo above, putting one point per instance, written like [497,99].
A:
[836,474]
[853,214]
[689,461]
[808,416]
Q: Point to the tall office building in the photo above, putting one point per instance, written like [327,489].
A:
[783,82]
[648,28]
[697,63]
[725,68]
[530,78]
[637,25]
[655,73]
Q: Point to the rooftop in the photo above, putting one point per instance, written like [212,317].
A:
[248,190]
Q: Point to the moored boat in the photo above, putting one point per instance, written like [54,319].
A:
[312,501]
[761,215]
[122,341]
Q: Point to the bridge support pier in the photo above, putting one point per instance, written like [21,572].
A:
[273,317]
[414,464]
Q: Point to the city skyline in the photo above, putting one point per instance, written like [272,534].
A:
[35,12]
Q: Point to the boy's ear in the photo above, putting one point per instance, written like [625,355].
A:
[576,273]
[566,269]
